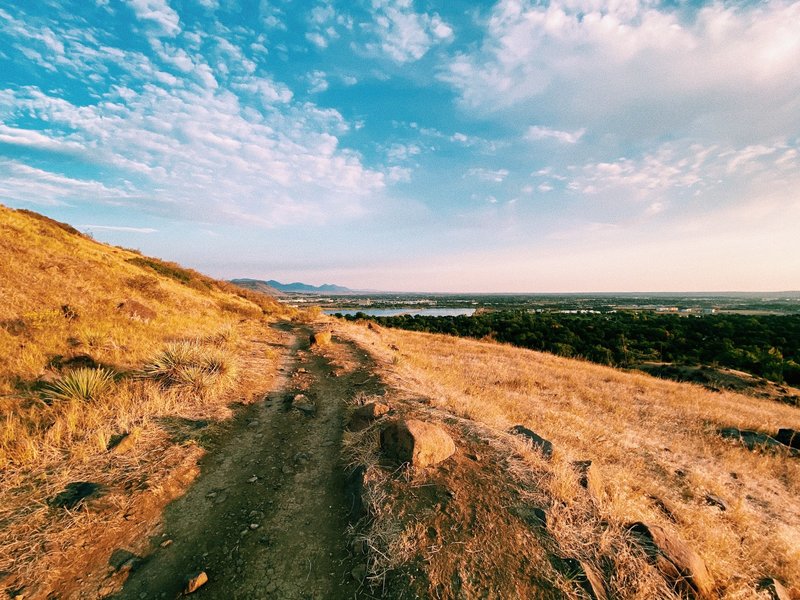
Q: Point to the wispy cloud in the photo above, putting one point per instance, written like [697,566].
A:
[119,228]
[537,132]
[492,175]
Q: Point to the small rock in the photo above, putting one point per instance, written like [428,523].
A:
[165,543]
[124,442]
[302,370]
[321,338]
[774,588]
[416,442]
[287,470]
[364,415]
[123,560]
[713,500]
[196,582]
[304,404]
[253,479]
[136,311]
[538,442]
[254,526]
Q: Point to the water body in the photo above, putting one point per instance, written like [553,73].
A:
[393,312]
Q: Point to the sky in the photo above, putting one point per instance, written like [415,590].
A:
[516,146]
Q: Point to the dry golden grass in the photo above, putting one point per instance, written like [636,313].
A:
[72,310]
[654,445]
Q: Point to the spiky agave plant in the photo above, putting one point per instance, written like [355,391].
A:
[81,384]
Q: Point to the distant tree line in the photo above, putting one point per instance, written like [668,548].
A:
[768,346]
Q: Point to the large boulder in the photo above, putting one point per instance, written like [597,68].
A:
[320,338]
[416,442]
[679,564]
[538,442]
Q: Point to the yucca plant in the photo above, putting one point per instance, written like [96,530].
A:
[81,384]
[190,365]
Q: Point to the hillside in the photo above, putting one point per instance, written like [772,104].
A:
[651,452]
[108,357]
[158,427]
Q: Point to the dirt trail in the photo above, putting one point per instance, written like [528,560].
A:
[267,517]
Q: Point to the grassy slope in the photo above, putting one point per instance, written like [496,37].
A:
[654,444]
[45,444]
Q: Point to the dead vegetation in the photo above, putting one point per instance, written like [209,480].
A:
[656,458]
[115,368]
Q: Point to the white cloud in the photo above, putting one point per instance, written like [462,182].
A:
[494,176]
[317,82]
[158,14]
[402,152]
[694,178]
[22,183]
[536,132]
[119,228]
[638,69]
[216,141]
[405,35]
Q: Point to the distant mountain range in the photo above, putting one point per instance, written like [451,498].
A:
[276,288]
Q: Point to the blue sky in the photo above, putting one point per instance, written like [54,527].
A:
[573,145]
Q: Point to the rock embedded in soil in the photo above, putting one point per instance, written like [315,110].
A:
[75,494]
[136,311]
[196,582]
[775,589]
[789,437]
[124,442]
[320,338]
[364,415]
[679,563]
[593,583]
[416,442]
[538,442]
[713,500]
[751,440]
[304,404]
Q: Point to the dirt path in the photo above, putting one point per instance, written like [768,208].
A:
[267,517]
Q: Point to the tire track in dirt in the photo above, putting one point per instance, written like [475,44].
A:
[268,515]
